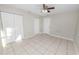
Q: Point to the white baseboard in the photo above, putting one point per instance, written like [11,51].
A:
[60,36]
[31,36]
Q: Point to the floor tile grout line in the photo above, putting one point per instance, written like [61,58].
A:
[58,47]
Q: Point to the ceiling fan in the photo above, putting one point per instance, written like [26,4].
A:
[47,9]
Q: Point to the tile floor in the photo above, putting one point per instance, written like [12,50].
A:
[41,44]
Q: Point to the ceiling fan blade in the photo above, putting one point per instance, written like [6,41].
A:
[48,11]
[51,8]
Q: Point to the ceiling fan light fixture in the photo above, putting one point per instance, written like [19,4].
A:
[44,11]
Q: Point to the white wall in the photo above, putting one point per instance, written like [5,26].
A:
[63,25]
[0,31]
[76,39]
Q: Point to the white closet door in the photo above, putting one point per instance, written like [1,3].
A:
[19,27]
[36,26]
[46,25]
[8,26]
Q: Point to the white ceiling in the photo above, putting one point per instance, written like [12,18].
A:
[36,8]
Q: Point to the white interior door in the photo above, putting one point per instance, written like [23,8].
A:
[46,25]
[36,26]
